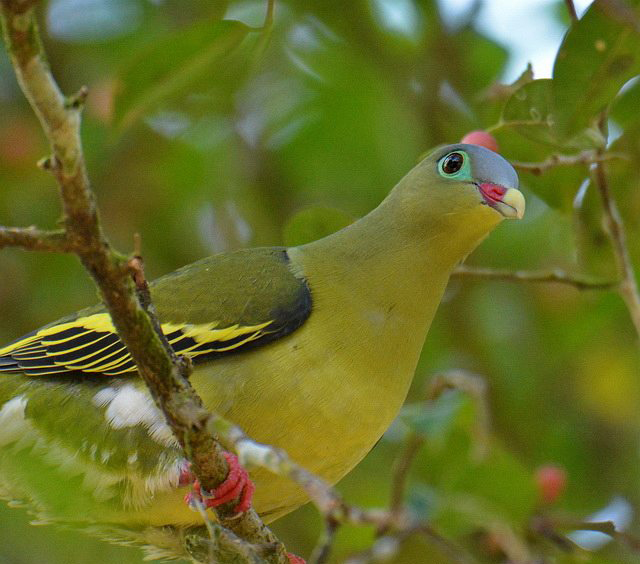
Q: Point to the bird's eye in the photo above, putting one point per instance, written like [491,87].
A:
[452,163]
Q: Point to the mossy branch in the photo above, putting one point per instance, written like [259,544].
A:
[33,239]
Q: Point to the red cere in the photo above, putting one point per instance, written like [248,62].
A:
[492,192]
[293,559]
[483,139]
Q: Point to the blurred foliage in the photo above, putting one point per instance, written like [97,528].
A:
[202,136]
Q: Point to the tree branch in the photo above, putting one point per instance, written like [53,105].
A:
[322,550]
[556,276]
[32,239]
[165,375]
[628,287]
[572,10]
[400,470]
[548,526]
[583,158]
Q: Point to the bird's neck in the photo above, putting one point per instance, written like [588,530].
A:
[387,260]
[381,279]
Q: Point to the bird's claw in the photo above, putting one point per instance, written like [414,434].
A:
[293,559]
[237,485]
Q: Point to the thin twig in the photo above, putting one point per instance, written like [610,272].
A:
[476,387]
[553,161]
[572,10]
[265,34]
[548,526]
[400,471]
[609,528]
[556,276]
[542,526]
[322,550]
[268,20]
[628,287]
[32,239]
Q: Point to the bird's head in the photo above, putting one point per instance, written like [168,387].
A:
[467,189]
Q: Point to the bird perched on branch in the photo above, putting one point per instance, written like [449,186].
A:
[308,348]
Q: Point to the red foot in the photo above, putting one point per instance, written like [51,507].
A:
[237,485]
[295,559]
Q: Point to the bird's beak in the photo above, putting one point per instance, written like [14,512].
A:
[507,201]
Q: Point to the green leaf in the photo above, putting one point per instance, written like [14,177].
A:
[530,112]
[171,65]
[314,223]
[598,55]
[482,58]
[528,132]
[625,109]
[434,419]
[472,492]
[490,103]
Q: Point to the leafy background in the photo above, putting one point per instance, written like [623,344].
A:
[202,136]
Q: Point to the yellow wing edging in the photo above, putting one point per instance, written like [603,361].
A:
[101,323]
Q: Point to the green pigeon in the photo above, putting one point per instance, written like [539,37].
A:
[309,348]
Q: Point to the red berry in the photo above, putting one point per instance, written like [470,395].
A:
[483,139]
[551,481]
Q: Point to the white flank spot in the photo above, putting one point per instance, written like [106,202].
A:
[103,397]
[13,424]
[128,406]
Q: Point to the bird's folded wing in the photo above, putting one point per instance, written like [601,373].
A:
[219,305]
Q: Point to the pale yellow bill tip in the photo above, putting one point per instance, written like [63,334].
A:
[513,204]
